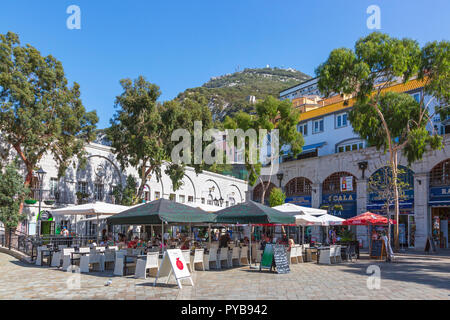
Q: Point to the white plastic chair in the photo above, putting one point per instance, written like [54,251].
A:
[293,255]
[39,255]
[113,248]
[66,256]
[95,259]
[333,254]
[235,256]
[148,263]
[110,257]
[198,258]
[212,257]
[299,253]
[119,261]
[223,256]
[337,254]
[244,255]
[324,256]
[187,258]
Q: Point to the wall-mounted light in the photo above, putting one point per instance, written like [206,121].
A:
[363,166]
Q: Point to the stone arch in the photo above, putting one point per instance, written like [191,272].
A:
[217,185]
[257,191]
[440,174]
[240,193]
[193,185]
[332,183]
[116,168]
[298,186]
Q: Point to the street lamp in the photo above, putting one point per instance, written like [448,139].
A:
[280,177]
[221,201]
[40,173]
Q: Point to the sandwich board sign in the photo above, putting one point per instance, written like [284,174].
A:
[173,263]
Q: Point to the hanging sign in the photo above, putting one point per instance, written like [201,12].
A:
[173,263]
[346,184]
[44,216]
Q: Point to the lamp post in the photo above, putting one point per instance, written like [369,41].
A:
[280,177]
[40,173]
[221,201]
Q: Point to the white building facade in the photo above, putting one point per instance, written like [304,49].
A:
[102,174]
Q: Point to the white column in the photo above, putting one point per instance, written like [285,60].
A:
[421,209]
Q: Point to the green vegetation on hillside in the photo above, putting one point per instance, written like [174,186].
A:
[229,94]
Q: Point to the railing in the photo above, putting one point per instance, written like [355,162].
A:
[28,244]
[50,197]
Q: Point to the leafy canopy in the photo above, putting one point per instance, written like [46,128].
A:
[12,192]
[39,112]
[276,197]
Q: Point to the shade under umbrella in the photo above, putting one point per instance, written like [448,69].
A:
[367,218]
[161,210]
[251,212]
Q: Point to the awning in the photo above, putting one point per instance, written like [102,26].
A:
[312,147]
[439,203]
[379,206]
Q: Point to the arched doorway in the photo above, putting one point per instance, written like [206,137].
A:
[439,202]
[258,190]
[298,191]
[339,194]
[380,200]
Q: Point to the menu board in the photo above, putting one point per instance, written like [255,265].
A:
[280,259]
[429,245]
[267,257]
[377,249]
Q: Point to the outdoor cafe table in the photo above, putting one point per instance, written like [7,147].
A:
[76,252]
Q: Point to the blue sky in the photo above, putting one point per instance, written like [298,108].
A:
[182,44]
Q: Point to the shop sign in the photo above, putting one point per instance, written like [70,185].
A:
[440,193]
[340,197]
[375,198]
[304,201]
[346,184]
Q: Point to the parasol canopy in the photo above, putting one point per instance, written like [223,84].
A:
[367,218]
[254,213]
[161,210]
[302,217]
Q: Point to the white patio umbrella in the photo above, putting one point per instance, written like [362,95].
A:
[302,215]
[330,220]
[95,208]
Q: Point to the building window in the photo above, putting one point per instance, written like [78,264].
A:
[341,120]
[303,129]
[318,126]
[173,197]
[157,195]
[203,200]
[181,198]
[350,146]
[210,200]
[190,199]
[54,187]
[98,191]
[416,96]
[82,187]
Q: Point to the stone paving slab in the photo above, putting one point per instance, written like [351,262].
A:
[411,277]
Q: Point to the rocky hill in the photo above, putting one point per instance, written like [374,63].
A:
[230,93]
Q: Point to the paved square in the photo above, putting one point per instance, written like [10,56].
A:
[411,277]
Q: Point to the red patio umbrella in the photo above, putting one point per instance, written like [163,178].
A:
[367,218]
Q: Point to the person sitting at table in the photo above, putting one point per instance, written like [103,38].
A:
[291,243]
[224,239]
[246,242]
[185,245]
[133,243]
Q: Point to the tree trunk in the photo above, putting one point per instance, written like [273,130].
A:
[397,206]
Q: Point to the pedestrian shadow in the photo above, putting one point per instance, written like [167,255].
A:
[158,285]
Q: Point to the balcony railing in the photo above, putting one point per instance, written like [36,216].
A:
[50,197]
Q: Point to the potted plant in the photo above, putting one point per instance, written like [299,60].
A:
[30,201]
[81,196]
[49,202]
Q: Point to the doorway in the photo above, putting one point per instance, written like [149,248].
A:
[440,226]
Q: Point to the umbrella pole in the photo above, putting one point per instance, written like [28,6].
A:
[98,228]
[209,234]
[162,236]
[250,242]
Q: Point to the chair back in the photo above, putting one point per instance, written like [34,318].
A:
[67,251]
[294,252]
[299,249]
[62,246]
[120,254]
[186,255]
[110,255]
[337,253]
[332,251]
[306,245]
[213,254]
[113,248]
[152,260]
[85,249]
[235,253]
[137,251]
[198,256]
[223,253]
[244,251]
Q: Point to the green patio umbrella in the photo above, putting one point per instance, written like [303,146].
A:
[251,212]
[161,211]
